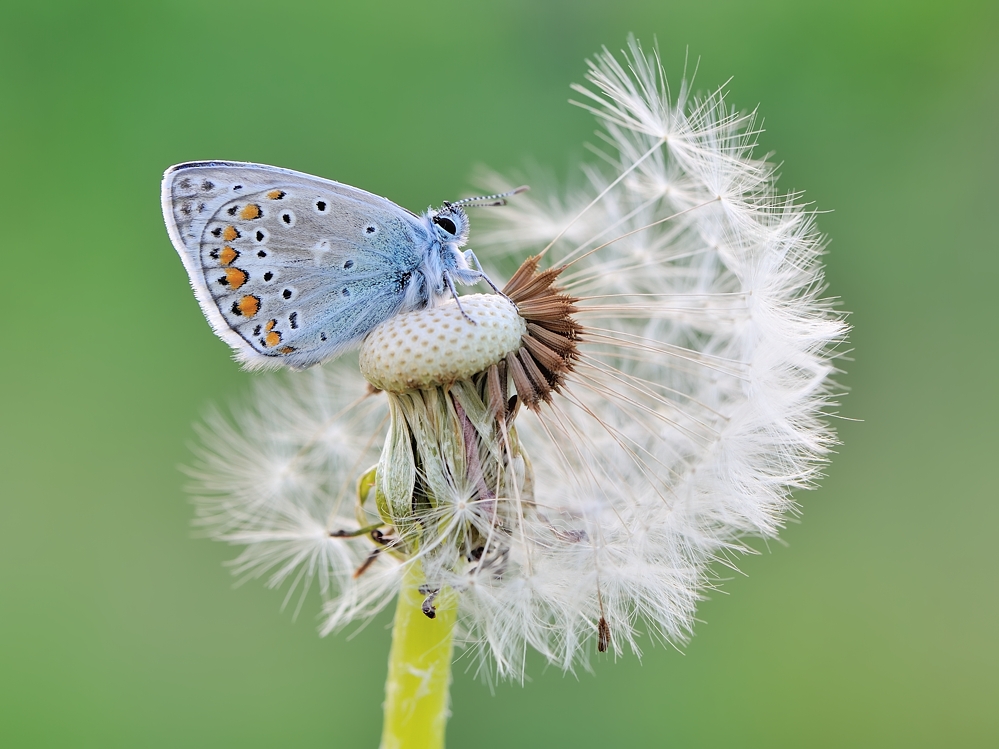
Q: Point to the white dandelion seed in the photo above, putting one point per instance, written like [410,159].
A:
[675,374]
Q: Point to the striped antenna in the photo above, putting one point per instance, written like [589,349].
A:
[497,199]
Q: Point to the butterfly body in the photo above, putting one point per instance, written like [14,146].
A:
[292,269]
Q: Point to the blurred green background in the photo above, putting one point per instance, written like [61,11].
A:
[875,624]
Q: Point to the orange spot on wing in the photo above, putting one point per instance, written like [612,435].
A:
[235,277]
[286,349]
[275,194]
[250,212]
[228,255]
[248,306]
[273,338]
[230,233]
[270,325]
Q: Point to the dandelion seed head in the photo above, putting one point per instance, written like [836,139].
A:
[661,401]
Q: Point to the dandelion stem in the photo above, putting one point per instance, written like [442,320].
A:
[419,673]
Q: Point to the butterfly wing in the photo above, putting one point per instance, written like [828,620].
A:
[289,268]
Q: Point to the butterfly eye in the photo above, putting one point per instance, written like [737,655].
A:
[446,224]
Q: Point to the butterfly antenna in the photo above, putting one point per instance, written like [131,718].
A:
[485,201]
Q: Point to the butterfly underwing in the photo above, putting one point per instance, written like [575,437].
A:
[292,269]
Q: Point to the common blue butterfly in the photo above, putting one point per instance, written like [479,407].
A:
[293,270]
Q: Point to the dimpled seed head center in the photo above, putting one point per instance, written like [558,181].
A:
[437,346]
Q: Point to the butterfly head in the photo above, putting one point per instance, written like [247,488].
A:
[450,223]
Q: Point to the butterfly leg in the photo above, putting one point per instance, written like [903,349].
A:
[454,293]
[470,258]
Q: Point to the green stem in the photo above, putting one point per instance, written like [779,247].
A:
[419,673]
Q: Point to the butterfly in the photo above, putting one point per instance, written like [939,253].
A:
[293,270]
